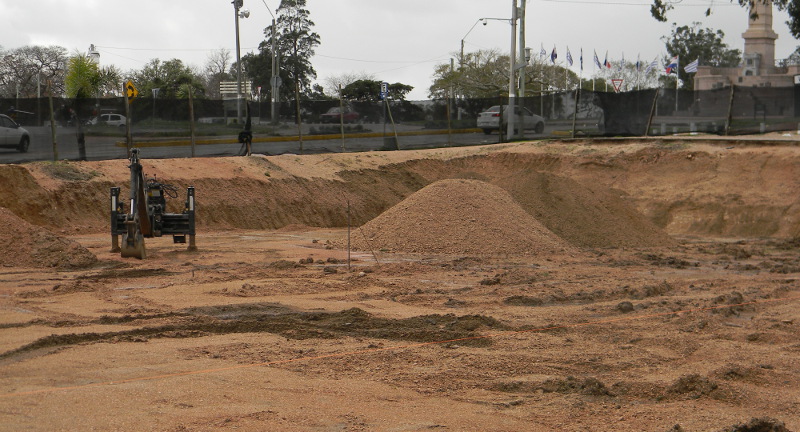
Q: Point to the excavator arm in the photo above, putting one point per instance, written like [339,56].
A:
[146,216]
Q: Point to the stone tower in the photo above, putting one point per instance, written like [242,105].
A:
[758,63]
[759,41]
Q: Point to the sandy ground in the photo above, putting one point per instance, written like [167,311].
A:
[666,305]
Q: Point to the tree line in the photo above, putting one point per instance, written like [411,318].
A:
[32,71]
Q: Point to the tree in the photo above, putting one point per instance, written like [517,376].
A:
[480,74]
[634,76]
[25,68]
[369,91]
[295,46]
[484,74]
[345,79]
[659,10]
[170,77]
[692,43]
[793,59]
[217,69]
[85,80]
[83,77]
[258,67]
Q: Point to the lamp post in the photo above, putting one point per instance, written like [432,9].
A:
[511,69]
[461,58]
[153,118]
[524,56]
[274,80]
[485,21]
[237,4]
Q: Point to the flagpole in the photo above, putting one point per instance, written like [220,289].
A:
[580,74]
[677,80]
[542,56]
[638,72]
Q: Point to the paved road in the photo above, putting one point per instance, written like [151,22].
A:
[107,147]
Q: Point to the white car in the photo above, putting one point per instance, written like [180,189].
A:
[116,120]
[489,120]
[13,135]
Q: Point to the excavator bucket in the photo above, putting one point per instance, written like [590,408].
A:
[133,246]
[147,216]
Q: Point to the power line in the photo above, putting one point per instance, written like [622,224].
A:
[411,62]
[615,3]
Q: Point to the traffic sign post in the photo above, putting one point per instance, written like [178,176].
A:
[617,82]
[384,90]
[131,91]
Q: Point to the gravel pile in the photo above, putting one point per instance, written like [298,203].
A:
[458,216]
[25,245]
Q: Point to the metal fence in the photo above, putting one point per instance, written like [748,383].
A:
[93,129]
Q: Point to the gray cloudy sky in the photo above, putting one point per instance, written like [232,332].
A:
[395,41]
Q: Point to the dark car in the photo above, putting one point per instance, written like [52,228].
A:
[13,135]
[335,115]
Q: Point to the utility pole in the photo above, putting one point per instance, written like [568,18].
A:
[275,78]
[237,4]
[523,55]
[512,64]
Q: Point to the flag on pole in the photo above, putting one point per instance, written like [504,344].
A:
[673,65]
[596,60]
[691,67]
[638,64]
[652,65]
[569,57]
[553,55]
[622,61]
[542,52]
[605,61]
[581,58]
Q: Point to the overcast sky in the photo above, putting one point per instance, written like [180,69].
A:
[395,41]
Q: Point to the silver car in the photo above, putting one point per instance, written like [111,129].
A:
[489,120]
[116,120]
[13,135]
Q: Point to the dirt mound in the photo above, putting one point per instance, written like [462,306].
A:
[458,216]
[586,216]
[26,245]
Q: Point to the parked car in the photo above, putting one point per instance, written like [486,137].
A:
[13,135]
[116,120]
[489,120]
[334,115]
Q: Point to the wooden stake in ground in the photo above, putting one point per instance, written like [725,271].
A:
[191,118]
[52,120]
[341,117]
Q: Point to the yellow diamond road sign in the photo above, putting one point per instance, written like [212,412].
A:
[131,91]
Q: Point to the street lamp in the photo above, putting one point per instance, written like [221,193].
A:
[274,81]
[244,13]
[484,21]
[461,59]
[515,12]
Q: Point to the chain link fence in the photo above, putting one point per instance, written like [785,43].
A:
[95,129]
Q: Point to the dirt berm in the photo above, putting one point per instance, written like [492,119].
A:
[632,193]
